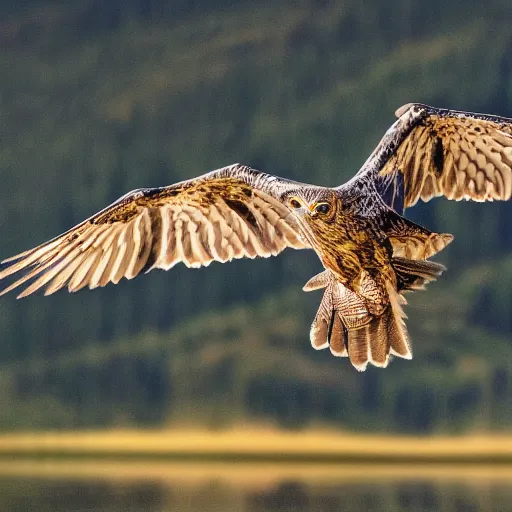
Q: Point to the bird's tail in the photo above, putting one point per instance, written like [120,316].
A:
[383,336]
[344,324]
[362,337]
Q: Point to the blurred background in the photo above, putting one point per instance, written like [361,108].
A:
[101,97]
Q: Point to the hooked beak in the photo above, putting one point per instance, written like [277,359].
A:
[311,210]
[303,211]
[301,208]
[308,209]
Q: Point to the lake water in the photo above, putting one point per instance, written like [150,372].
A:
[161,487]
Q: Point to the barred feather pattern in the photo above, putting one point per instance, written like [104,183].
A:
[345,325]
[461,155]
[372,254]
[346,322]
[218,217]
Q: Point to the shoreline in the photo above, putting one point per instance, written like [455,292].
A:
[251,476]
[257,446]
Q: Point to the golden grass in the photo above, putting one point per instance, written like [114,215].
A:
[261,444]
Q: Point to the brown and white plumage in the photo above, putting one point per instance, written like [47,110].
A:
[455,155]
[436,152]
[217,217]
[370,252]
[345,324]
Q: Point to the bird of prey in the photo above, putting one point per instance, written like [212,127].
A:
[370,252]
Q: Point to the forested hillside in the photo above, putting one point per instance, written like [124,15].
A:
[98,98]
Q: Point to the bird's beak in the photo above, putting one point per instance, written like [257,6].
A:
[302,212]
[307,209]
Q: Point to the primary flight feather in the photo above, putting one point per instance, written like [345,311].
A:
[370,252]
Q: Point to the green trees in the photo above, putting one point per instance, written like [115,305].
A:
[97,101]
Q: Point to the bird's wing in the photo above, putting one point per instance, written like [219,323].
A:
[431,152]
[233,212]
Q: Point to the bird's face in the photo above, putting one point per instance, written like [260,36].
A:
[316,211]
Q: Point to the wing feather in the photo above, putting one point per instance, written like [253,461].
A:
[456,154]
[87,278]
[460,155]
[63,277]
[118,268]
[111,257]
[79,275]
[234,212]
[45,277]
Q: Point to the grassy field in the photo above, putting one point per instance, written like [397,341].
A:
[259,445]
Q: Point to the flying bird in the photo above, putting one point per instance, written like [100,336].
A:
[371,254]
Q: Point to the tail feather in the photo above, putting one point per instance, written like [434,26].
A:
[411,240]
[380,341]
[415,274]
[374,339]
[320,332]
[359,347]
[374,343]
[395,325]
[344,323]
[318,281]
[338,337]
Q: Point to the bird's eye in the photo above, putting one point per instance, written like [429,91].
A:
[323,208]
[295,204]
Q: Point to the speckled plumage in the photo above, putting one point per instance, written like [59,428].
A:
[371,254]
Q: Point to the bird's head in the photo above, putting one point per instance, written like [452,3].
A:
[314,207]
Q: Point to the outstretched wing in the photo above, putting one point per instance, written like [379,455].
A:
[432,152]
[233,212]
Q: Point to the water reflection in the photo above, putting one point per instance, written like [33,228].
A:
[139,487]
